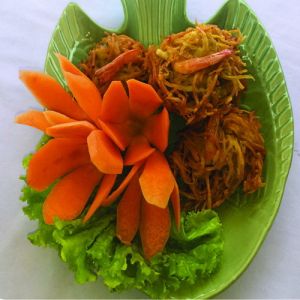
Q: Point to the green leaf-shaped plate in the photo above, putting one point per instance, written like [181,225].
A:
[246,219]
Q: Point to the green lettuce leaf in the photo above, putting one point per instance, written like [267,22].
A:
[92,250]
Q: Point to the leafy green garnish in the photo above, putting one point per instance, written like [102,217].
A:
[91,249]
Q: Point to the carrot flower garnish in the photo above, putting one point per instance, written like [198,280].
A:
[94,137]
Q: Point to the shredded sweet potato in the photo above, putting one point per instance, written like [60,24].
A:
[215,158]
[198,71]
[115,57]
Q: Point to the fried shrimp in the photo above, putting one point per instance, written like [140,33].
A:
[198,71]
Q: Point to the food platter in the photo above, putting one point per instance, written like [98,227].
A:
[267,95]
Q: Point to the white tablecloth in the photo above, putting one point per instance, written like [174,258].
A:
[32,272]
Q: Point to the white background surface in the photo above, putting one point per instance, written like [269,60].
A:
[32,272]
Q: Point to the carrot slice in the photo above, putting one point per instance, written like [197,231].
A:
[143,99]
[117,132]
[104,154]
[55,118]
[157,181]
[55,159]
[138,150]
[82,88]
[157,130]
[106,185]
[128,212]
[51,94]
[71,130]
[115,105]
[115,194]
[175,200]
[33,118]
[155,227]
[70,195]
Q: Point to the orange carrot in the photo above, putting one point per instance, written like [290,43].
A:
[128,212]
[115,194]
[106,185]
[175,199]
[70,195]
[51,94]
[138,150]
[55,118]
[55,159]
[104,154]
[33,118]
[117,132]
[157,180]
[155,227]
[157,129]
[115,105]
[143,100]
[75,129]
[82,88]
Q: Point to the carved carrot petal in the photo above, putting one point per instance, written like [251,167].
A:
[175,200]
[157,181]
[128,212]
[103,191]
[115,194]
[104,154]
[55,118]
[143,99]
[82,88]
[155,227]
[117,132]
[138,150]
[115,105]
[55,159]
[33,118]
[71,130]
[70,195]
[51,94]
[157,129]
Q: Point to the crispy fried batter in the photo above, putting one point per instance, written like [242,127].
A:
[198,94]
[109,52]
[214,159]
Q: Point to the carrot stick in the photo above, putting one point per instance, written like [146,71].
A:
[106,185]
[76,129]
[115,194]
[104,154]
[82,88]
[55,118]
[128,212]
[51,94]
[175,199]
[157,181]
[155,227]
[33,118]
[143,99]
[55,159]
[115,104]
[157,129]
[138,150]
[70,195]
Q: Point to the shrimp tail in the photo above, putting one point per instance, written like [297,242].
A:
[196,64]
